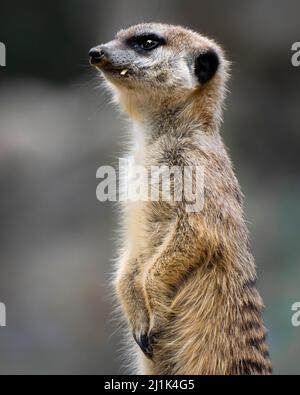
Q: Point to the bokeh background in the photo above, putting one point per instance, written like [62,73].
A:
[57,128]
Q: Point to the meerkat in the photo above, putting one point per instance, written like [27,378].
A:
[186,281]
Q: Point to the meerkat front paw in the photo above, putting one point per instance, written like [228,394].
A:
[147,336]
[140,326]
[145,342]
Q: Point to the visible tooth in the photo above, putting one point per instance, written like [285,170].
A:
[124,72]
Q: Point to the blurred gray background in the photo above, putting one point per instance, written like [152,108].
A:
[57,128]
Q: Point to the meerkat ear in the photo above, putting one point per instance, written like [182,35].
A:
[206,65]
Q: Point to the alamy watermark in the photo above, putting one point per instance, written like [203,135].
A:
[2,55]
[155,184]
[2,315]
[296,54]
[296,315]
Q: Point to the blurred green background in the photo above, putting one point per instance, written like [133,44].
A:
[57,128]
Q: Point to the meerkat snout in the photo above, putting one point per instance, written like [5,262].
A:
[95,55]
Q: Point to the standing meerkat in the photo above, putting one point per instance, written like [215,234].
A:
[185,280]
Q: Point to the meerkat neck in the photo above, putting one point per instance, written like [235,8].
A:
[180,119]
[175,114]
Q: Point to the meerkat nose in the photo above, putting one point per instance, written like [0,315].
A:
[96,55]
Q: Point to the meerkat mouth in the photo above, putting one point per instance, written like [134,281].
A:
[113,72]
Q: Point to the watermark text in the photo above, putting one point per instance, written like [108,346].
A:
[296,315]
[184,184]
[2,55]
[2,315]
[296,54]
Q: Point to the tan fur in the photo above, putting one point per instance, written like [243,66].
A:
[186,279]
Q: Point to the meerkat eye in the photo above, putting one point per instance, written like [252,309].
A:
[149,45]
[147,42]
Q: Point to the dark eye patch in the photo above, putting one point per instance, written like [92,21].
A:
[146,42]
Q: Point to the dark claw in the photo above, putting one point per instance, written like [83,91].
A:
[145,343]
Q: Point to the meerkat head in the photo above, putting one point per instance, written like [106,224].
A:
[150,64]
